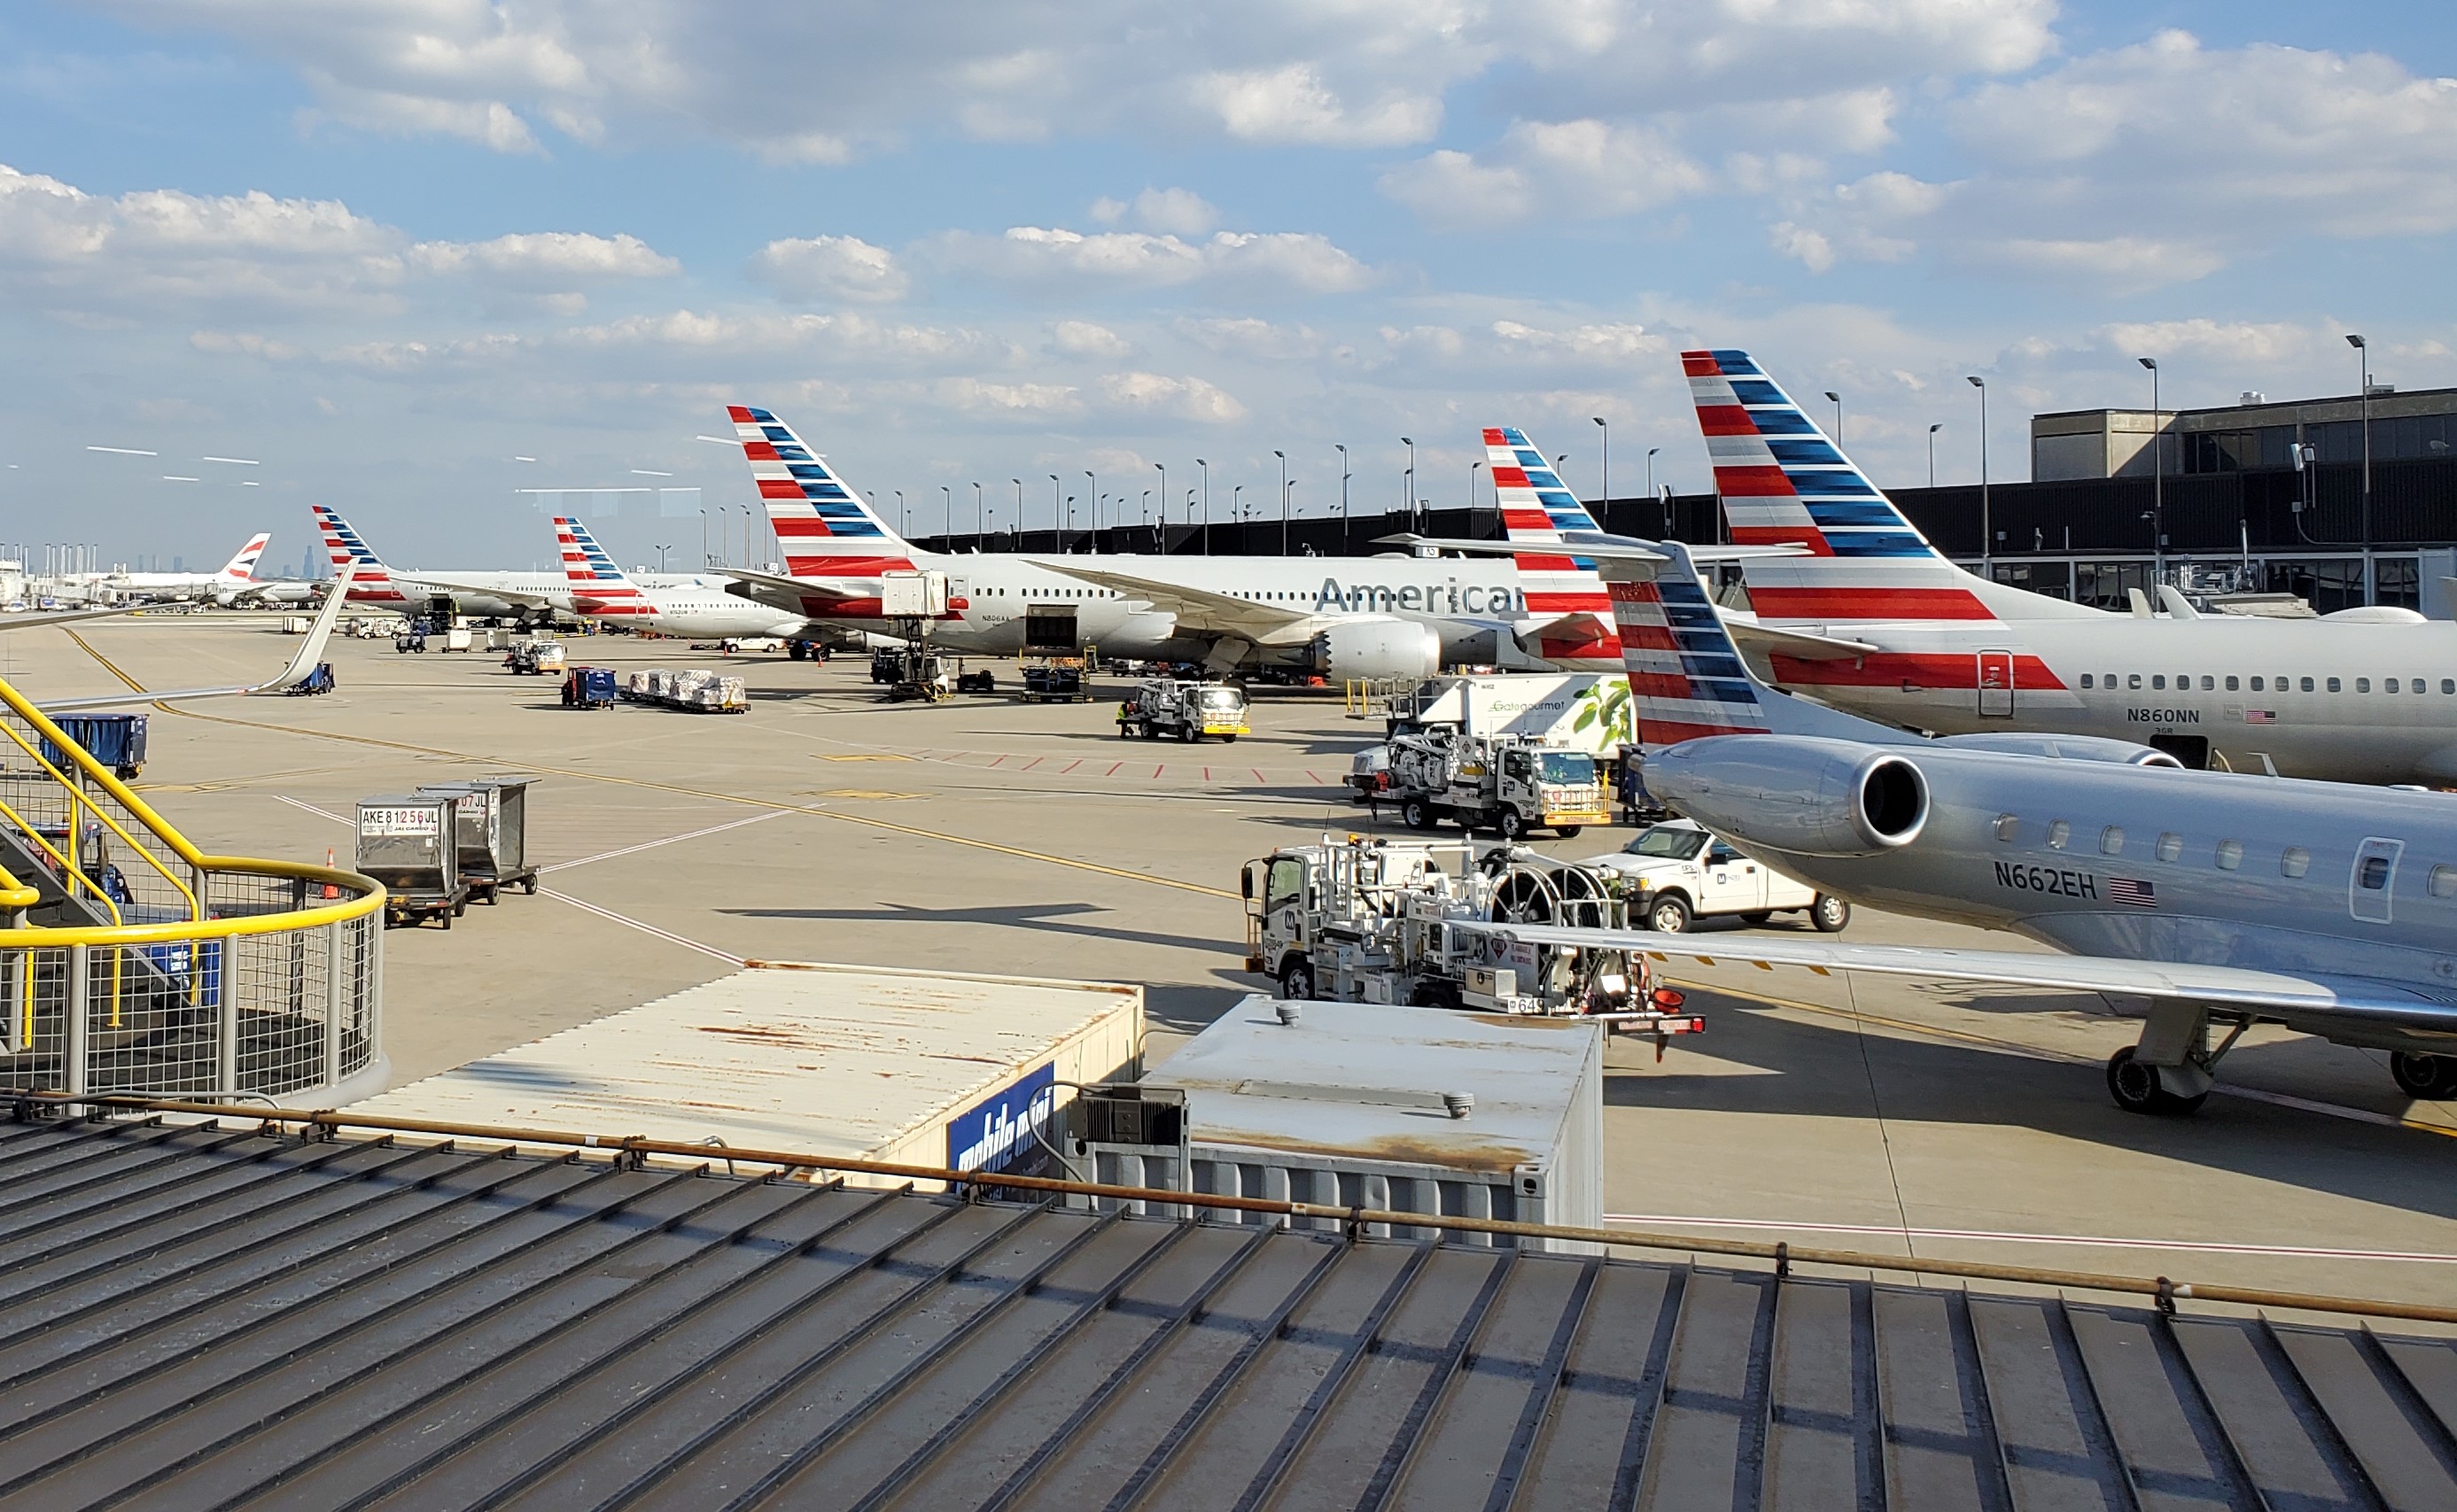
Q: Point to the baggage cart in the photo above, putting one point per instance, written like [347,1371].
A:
[409,843]
[491,833]
[457,639]
[589,687]
[118,740]
[318,680]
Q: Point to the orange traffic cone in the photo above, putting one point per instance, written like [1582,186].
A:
[330,890]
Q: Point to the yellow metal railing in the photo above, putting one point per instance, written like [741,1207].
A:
[230,976]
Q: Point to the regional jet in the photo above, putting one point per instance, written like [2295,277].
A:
[1869,617]
[2227,899]
[492,595]
[600,589]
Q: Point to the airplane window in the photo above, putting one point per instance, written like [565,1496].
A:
[2110,841]
[2134,680]
[2307,685]
[2333,685]
[2058,833]
[2171,845]
[2444,881]
[2294,861]
[2157,679]
[2389,686]
[2085,680]
[2206,684]
[2448,684]
[2363,684]
[2109,680]
[2256,684]
[2230,854]
[2231,682]
[2373,874]
[2008,827]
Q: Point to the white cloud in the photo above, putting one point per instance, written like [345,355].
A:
[1186,399]
[1177,212]
[1293,104]
[973,397]
[551,259]
[1303,261]
[1612,344]
[1569,168]
[1084,339]
[830,268]
[1244,336]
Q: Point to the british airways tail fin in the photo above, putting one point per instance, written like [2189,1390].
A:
[370,580]
[1686,678]
[823,526]
[1785,482]
[242,568]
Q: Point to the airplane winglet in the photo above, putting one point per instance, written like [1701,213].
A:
[311,651]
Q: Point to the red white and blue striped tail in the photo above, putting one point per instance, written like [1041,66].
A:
[242,568]
[1785,482]
[599,585]
[1561,588]
[1686,679]
[371,581]
[822,525]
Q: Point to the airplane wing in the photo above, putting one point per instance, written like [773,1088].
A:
[1802,645]
[2269,994]
[36,622]
[476,590]
[800,596]
[1202,611]
[310,652]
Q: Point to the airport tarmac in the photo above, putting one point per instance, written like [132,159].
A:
[988,835]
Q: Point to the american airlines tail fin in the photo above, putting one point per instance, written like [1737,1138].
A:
[1686,678]
[823,526]
[599,585]
[1560,587]
[241,568]
[370,580]
[1785,482]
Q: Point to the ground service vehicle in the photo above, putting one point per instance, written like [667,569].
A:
[1400,921]
[1165,708]
[589,687]
[1675,871]
[1498,784]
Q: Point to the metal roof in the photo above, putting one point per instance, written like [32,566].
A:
[833,1059]
[1368,1080]
[202,1317]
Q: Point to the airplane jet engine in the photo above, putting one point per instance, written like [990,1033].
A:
[1811,796]
[1368,648]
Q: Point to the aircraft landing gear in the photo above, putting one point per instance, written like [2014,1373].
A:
[2168,1074]
[2426,1078]
[2137,1087]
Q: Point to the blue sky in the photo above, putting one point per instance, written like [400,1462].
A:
[385,249]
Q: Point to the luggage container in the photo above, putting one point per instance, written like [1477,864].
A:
[118,740]
[491,833]
[1359,1105]
[408,844]
[318,681]
[589,687]
[940,1069]
[458,639]
[296,623]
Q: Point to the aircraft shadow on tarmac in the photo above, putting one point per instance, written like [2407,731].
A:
[1817,1071]
[1050,918]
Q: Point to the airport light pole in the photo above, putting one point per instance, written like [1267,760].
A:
[1931,452]
[1604,500]
[2158,477]
[1838,418]
[1019,503]
[2363,397]
[1160,542]
[746,535]
[1343,496]
[1284,501]
[1473,468]
[903,516]
[947,541]
[1091,483]
[1987,536]
[705,559]
[980,517]
[661,556]
[1053,510]
[1237,512]
[1206,469]
[1409,477]
[1650,470]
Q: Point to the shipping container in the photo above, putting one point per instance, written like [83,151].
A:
[940,1069]
[1407,1110]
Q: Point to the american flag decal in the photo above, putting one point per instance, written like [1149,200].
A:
[2127,889]
[2260,716]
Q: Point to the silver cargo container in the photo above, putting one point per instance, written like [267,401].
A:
[942,1068]
[1410,1110]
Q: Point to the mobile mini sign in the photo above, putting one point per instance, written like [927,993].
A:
[1008,1132]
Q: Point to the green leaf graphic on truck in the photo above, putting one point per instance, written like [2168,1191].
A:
[1604,709]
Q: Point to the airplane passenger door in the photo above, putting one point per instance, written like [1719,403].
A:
[1995,682]
[2374,879]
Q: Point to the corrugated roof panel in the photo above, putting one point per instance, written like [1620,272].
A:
[832,1060]
[202,1317]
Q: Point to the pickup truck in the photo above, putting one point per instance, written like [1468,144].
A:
[1677,872]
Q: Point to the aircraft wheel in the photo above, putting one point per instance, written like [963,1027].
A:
[1296,979]
[2137,1088]
[1828,914]
[2427,1078]
[1668,914]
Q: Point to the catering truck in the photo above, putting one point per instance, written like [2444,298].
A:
[1504,785]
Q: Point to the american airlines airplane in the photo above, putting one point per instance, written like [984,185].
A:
[1348,617]
[599,589]
[2227,899]
[1869,617]
[238,575]
[490,595]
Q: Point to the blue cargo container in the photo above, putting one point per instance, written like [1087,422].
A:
[118,740]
